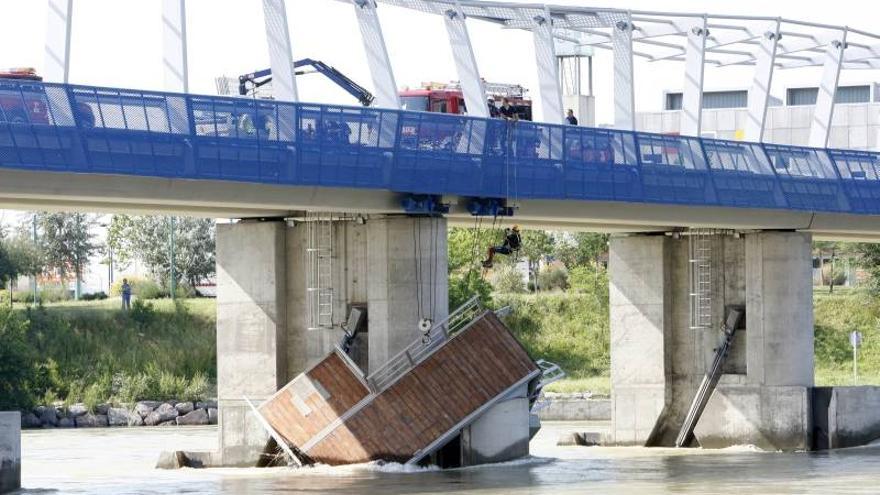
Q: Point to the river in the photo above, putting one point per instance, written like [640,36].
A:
[120,461]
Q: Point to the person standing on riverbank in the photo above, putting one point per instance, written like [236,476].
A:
[126,295]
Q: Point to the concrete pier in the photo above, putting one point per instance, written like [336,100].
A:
[393,266]
[658,361]
[10,451]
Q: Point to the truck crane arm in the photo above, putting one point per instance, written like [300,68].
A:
[254,80]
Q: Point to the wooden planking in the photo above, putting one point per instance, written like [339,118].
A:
[475,366]
[345,390]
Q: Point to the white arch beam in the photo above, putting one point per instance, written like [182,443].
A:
[377,54]
[58,29]
[465,63]
[280,50]
[548,68]
[174,60]
[823,112]
[694,69]
[624,91]
[759,94]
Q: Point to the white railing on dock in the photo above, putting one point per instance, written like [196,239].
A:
[419,350]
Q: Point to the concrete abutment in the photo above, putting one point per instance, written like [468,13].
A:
[10,451]
[658,360]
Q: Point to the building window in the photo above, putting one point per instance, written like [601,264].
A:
[845,94]
[712,99]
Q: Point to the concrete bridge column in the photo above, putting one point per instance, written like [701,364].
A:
[10,451]
[394,266]
[658,361]
[251,331]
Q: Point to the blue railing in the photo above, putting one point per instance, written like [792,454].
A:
[81,129]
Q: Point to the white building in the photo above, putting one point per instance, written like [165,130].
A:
[855,124]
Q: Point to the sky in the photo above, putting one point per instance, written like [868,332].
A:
[118,43]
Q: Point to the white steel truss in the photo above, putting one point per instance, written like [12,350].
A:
[377,54]
[174,60]
[472,86]
[280,50]
[58,29]
[765,42]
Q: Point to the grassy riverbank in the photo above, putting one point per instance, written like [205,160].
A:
[92,352]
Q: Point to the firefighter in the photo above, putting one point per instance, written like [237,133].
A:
[512,243]
[493,110]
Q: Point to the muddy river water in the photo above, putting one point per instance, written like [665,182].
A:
[120,461]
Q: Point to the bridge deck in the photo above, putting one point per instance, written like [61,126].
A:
[102,131]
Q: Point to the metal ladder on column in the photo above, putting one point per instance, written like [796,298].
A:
[700,244]
[319,270]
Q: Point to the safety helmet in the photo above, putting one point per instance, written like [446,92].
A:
[515,228]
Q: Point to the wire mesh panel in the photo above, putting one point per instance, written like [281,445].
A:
[742,175]
[673,170]
[860,179]
[807,178]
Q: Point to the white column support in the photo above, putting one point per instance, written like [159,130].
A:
[465,63]
[759,93]
[280,50]
[58,29]
[548,68]
[174,59]
[823,112]
[624,91]
[377,54]
[692,98]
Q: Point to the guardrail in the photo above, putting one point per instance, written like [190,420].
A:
[408,358]
[85,129]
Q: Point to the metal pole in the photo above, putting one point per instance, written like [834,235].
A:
[173,278]
[855,365]
[36,290]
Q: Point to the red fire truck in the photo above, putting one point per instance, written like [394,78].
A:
[448,98]
[20,104]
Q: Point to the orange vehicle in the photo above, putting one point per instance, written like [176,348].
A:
[448,98]
[20,105]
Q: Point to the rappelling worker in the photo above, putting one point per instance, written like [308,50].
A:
[512,242]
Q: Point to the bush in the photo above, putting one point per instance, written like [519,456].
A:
[94,296]
[553,278]
[838,277]
[508,279]
[142,288]
[464,287]
[587,279]
[16,363]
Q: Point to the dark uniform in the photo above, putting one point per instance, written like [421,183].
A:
[512,242]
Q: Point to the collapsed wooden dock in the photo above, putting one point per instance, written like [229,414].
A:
[415,404]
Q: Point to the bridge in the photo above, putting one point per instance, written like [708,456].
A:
[344,208]
[104,148]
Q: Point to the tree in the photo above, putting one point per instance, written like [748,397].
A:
[17,257]
[868,256]
[148,238]
[536,245]
[67,243]
[833,250]
[580,248]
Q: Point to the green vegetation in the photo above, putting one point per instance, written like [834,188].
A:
[569,329]
[836,315]
[92,352]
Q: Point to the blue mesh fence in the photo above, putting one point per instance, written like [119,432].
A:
[56,127]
